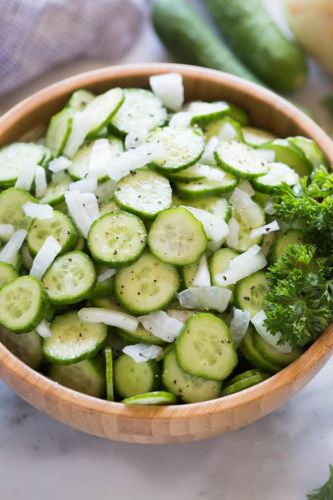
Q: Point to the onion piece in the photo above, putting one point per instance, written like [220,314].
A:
[179,314]
[136,139]
[227,132]
[87,185]
[266,154]
[233,235]
[161,325]
[208,155]
[9,251]
[45,256]
[202,278]
[59,164]
[105,191]
[269,208]
[180,120]
[43,329]
[247,188]
[242,266]
[100,158]
[78,212]
[248,210]
[142,352]
[169,89]
[268,228]
[90,204]
[239,324]
[105,275]
[124,163]
[205,298]
[215,228]
[40,182]
[279,173]
[26,176]
[108,317]
[258,323]
[37,210]
[80,127]
[6,231]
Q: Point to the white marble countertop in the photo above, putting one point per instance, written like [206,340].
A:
[281,457]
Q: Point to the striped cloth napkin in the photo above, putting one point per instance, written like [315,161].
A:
[38,34]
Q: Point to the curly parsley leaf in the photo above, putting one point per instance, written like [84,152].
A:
[325,492]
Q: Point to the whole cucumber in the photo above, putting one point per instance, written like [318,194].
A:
[190,40]
[257,41]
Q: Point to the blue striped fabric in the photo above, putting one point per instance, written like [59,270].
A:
[38,34]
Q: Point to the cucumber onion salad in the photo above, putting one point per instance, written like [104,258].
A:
[145,244]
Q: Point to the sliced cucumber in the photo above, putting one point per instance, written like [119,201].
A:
[271,354]
[147,285]
[103,288]
[288,153]
[244,381]
[22,304]
[140,336]
[117,238]
[193,173]
[7,274]
[188,388]
[204,187]
[87,376]
[59,130]
[27,346]
[56,190]
[205,349]
[59,226]
[145,193]
[182,147]
[80,99]
[109,374]
[131,378]
[70,279]
[177,237]
[219,262]
[278,174]
[109,207]
[250,292]
[27,259]
[291,237]
[151,398]
[225,129]
[189,272]
[213,204]
[311,150]
[240,160]
[16,156]
[141,110]
[207,112]
[245,239]
[72,340]
[252,355]
[11,202]
[256,136]
[102,109]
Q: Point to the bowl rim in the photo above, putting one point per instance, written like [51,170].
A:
[313,358]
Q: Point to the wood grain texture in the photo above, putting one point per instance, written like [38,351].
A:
[182,422]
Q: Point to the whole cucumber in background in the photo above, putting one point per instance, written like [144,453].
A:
[190,40]
[257,41]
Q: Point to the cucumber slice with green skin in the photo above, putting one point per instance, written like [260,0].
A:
[183,147]
[147,285]
[59,130]
[7,274]
[55,192]
[288,153]
[249,379]
[102,288]
[79,168]
[224,129]
[206,112]
[245,240]
[117,239]
[271,354]
[189,272]
[291,237]
[15,156]
[252,355]
[107,303]
[80,99]
[141,110]
[27,259]
[151,398]
[131,378]
[11,202]
[109,374]
[256,136]
[102,109]
[177,237]
[310,149]
[213,204]
[188,388]
[204,188]
[250,292]
[140,336]
[87,377]
[70,278]
[219,262]
[278,174]
[144,193]
[59,226]
[240,160]
[73,340]
[205,349]
[193,173]
[27,346]
[109,207]
[22,304]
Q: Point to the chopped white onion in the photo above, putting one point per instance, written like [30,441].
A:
[205,298]
[108,317]
[211,173]
[86,185]
[161,325]
[233,235]
[100,158]
[80,128]
[43,329]
[37,210]
[105,191]
[246,187]
[182,316]
[202,278]
[239,324]
[135,139]
[201,108]
[132,159]
[266,154]
[169,89]
[59,164]
[9,251]
[40,182]
[278,173]
[215,228]
[90,204]
[268,228]
[105,275]
[208,155]
[26,176]
[6,231]
[142,352]
[242,266]
[45,256]
[227,132]
[248,210]
[269,208]
[258,323]
[78,212]
[180,120]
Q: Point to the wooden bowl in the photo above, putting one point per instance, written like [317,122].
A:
[183,422]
